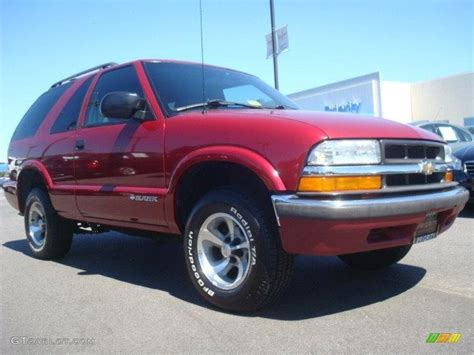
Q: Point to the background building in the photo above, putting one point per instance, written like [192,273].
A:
[445,99]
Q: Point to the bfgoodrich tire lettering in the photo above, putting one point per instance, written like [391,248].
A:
[49,236]
[268,269]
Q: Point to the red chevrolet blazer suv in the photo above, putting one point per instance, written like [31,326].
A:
[234,167]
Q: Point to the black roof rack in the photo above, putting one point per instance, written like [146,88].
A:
[75,76]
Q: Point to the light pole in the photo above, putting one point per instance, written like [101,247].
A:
[274,51]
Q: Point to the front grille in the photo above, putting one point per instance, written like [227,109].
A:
[405,166]
[413,179]
[470,168]
[409,152]
[403,151]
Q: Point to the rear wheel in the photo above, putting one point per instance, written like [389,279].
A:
[49,235]
[233,251]
[376,259]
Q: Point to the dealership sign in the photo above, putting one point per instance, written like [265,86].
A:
[350,106]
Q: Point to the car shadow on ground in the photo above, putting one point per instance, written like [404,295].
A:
[320,285]
[467,212]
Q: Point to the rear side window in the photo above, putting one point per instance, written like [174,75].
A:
[463,135]
[33,118]
[69,115]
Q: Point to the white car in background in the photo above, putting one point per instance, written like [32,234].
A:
[13,165]
[3,172]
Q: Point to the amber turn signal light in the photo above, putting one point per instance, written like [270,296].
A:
[448,176]
[339,183]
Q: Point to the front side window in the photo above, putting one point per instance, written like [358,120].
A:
[178,86]
[37,113]
[121,79]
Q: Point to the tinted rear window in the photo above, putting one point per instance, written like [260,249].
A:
[67,118]
[33,118]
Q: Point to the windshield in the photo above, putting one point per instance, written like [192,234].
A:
[179,87]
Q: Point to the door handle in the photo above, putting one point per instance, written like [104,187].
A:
[80,144]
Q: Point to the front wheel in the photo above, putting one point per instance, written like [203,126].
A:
[233,251]
[49,235]
[376,259]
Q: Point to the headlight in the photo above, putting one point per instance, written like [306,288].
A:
[448,154]
[346,152]
[457,164]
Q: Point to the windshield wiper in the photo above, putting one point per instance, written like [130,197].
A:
[215,103]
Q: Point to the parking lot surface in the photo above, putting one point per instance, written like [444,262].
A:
[118,293]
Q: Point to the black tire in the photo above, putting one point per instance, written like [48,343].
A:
[56,239]
[270,267]
[376,259]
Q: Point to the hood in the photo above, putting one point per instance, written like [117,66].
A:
[339,125]
[466,153]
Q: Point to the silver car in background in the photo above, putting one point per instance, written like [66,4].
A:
[457,137]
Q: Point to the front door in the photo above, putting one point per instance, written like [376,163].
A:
[118,162]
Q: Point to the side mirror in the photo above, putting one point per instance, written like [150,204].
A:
[121,104]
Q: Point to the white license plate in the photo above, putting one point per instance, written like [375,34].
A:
[424,238]
[428,229]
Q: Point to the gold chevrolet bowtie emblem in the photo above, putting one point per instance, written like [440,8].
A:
[426,167]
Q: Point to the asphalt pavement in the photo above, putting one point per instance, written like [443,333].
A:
[115,293]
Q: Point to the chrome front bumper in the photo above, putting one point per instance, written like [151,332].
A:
[383,205]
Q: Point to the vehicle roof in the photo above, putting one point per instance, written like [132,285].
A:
[160,60]
[186,62]
[422,122]
[465,153]
[111,66]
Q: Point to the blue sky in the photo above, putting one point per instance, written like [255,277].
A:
[330,40]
